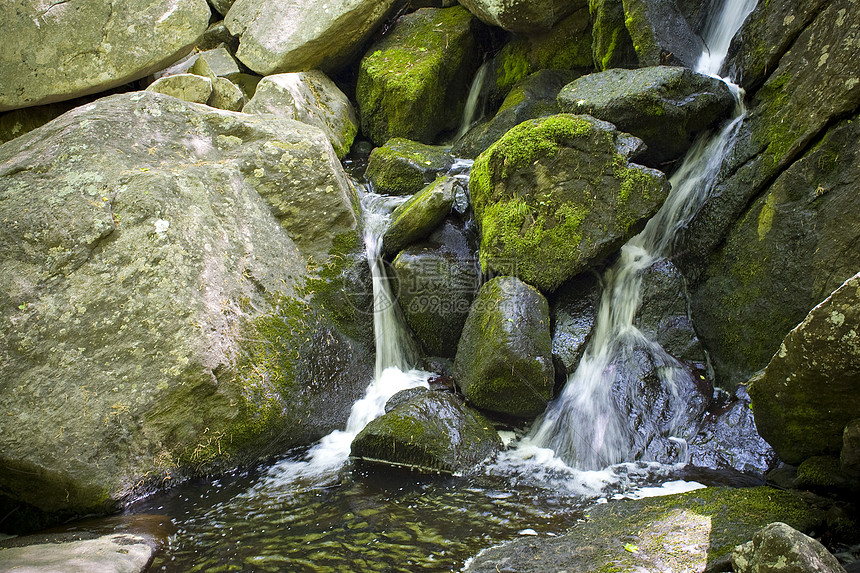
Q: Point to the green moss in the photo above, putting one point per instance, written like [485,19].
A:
[780,134]
[514,65]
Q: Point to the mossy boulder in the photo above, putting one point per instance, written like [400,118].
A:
[567,46]
[413,83]
[556,195]
[404,167]
[661,34]
[309,97]
[522,17]
[666,107]
[63,51]
[533,97]
[689,532]
[436,282]
[612,46]
[430,432]
[277,37]
[420,215]
[504,359]
[158,323]
[808,393]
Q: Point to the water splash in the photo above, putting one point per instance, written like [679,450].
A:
[588,425]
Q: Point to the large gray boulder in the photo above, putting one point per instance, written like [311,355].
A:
[522,17]
[661,34]
[153,259]
[779,548]
[556,195]
[666,107]
[504,359]
[413,83]
[187,87]
[299,35]
[63,50]
[809,392]
[309,97]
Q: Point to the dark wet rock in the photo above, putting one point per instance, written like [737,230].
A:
[661,34]
[275,37]
[420,215]
[666,107]
[403,397]
[153,253]
[412,83]
[779,548]
[404,167]
[118,553]
[522,17]
[612,47]
[792,247]
[533,97]
[431,432]
[436,282]
[573,312]
[566,47]
[822,474]
[504,359]
[728,440]
[684,532]
[850,455]
[808,393]
[66,50]
[309,97]
[557,195]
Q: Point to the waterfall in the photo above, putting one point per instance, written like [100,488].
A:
[392,371]
[585,426]
[471,111]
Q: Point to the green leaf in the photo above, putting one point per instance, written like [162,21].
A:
[631,548]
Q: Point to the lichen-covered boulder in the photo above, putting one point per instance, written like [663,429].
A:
[808,393]
[535,96]
[413,83]
[64,50]
[404,167]
[504,359]
[217,62]
[666,107]
[612,46]
[522,17]
[661,34]
[556,195]
[187,87]
[309,97]
[226,95]
[420,215]
[779,548]
[436,282]
[299,35]
[152,291]
[567,46]
[431,432]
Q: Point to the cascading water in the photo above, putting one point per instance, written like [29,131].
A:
[471,112]
[586,426]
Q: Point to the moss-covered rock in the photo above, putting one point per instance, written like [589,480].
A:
[556,195]
[666,107]
[412,83]
[661,34]
[309,97]
[431,432]
[808,393]
[522,17]
[504,359]
[612,46]
[420,215]
[690,532]
[404,167]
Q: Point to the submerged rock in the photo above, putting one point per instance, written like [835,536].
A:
[404,167]
[413,82]
[808,393]
[556,195]
[66,50]
[667,107]
[689,532]
[779,548]
[504,359]
[151,286]
[522,17]
[661,34]
[430,432]
[420,215]
[298,35]
[309,97]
